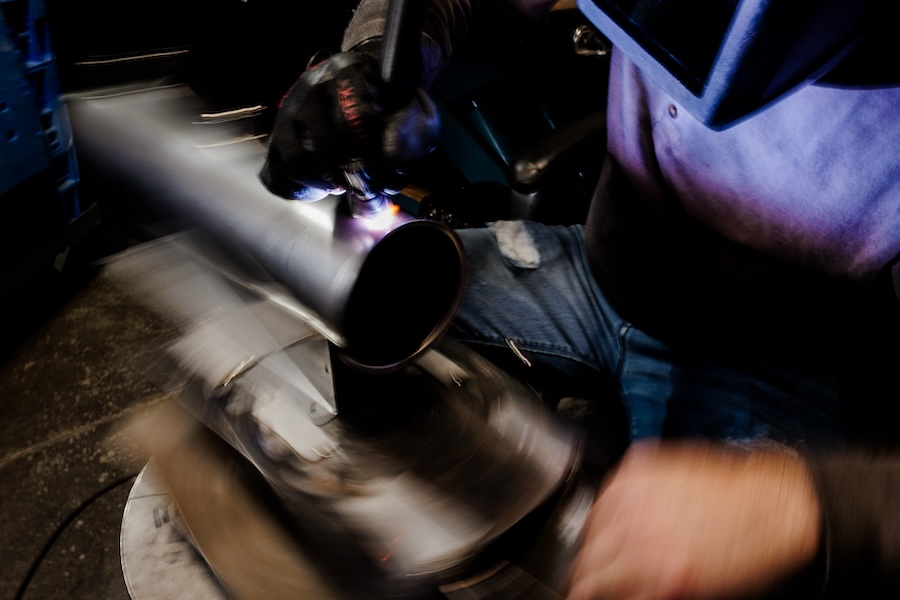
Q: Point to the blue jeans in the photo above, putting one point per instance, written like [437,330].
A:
[531,295]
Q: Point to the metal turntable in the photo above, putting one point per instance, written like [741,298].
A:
[284,471]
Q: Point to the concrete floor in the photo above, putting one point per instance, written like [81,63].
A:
[73,370]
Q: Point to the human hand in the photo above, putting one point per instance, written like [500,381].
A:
[336,119]
[691,520]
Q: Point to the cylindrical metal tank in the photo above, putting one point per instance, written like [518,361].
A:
[382,289]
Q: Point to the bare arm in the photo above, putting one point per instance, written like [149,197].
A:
[684,520]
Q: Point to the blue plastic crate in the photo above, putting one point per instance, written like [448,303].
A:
[36,121]
[23,148]
[30,27]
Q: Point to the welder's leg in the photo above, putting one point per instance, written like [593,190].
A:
[531,298]
[532,307]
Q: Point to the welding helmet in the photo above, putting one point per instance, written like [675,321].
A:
[724,60]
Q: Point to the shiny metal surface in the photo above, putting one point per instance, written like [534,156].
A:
[200,524]
[390,461]
[159,562]
[421,470]
[445,472]
[197,525]
[232,319]
[445,476]
[382,289]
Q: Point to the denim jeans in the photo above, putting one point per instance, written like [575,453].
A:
[531,295]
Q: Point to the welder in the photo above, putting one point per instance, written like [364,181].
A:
[736,281]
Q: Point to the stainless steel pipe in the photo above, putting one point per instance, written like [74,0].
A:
[381,289]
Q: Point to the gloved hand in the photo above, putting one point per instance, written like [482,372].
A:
[336,118]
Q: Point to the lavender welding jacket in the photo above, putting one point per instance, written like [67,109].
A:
[784,227]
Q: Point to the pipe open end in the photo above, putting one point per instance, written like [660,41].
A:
[407,293]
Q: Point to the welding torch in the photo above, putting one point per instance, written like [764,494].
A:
[399,71]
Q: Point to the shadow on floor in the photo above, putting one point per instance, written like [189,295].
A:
[73,370]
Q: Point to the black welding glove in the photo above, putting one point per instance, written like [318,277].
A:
[336,118]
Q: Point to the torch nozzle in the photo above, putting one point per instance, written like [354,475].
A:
[363,201]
